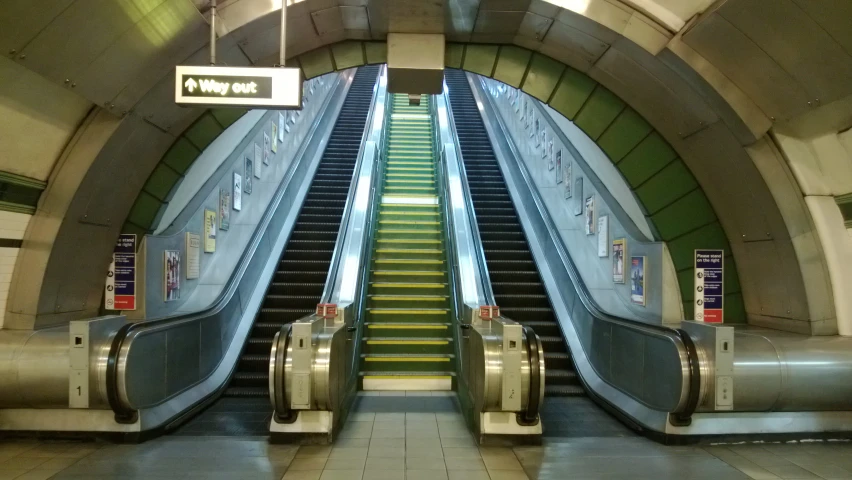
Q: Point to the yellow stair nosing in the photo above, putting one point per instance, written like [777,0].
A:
[408,377]
[407,359]
[407,285]
[412,311]
[392,273]
[407,326]
[408,342]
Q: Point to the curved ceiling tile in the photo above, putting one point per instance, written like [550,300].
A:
[492,37]
[498,22]
[748,66]
[534,26]
[505,5]
[600,19]
[804,49]
[239,13]
[355,18]
[572,46]
[24,19]
[833,16]
[158,108]
[81,33]
[327,20]
[34,138]
[543,8]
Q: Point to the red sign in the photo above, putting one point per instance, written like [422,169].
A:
[713,315]
[489,312]
[125,302]
[327,310]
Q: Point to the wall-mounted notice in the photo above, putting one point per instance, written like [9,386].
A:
[267,147]
[171,275]
[224,209]
[249,173]
[193,255]
[603,236]
[637,280]
[709,285]
[590,215]
[569,176]
[274,138]
[258,159]
[209,231]
[238,191]
[121,277]
[557,159]
[282,123]
[619,248]
[578,196]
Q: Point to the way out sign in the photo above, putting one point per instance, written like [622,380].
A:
[277,88]
[709,285]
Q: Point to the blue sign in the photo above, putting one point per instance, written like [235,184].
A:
[709,285]
[121,278]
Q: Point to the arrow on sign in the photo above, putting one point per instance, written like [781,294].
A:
[191,85]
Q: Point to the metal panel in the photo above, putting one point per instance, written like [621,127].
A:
[489,21]
[328,20]
[24,19]
[833,16]
[355,18]
[743,61]
[805,51]
[534,26]
[602,20]
[576,48]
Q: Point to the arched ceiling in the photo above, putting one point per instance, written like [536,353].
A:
[119,55]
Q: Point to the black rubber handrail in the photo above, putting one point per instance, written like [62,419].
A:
[530,415]
[283,414]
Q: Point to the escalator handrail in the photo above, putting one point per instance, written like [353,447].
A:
[371,130]
[487,294]
[690,359]
[116,400]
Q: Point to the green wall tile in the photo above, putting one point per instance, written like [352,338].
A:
[649,157]
[542,77]
[732,279]
[683,248]
[453,55]
[573,90]
[480,59]
[348,55]
[686,282]
[181,155]
[377,52]
[144,210]
[599,111]
[628,129]
[161,181]
[666,186]
[688,312]
[511,65]
[227,116]
[203,131]
[316,62]
[735,309]
[685,215]
[129,228]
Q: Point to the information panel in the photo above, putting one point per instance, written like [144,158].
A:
[238,87]
[709,285]
[121,278]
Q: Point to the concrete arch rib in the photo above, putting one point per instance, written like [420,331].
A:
[686,164]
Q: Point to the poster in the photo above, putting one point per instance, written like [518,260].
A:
[537,132]
[238,192]
[120,291]
[171,275]
[274,138]
[193,255]
[544,150]
[282,122]
[618,251]
[248,179]
[224,209]
[558,162]
[258,160]
[709,285]
[589,211]
[578,196]
[267,147]
[603,236]
[569,181]
[637,280]
[209,230]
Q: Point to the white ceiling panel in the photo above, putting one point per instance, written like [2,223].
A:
[748,66]
[23,19]
[34,136]
[498,22]
[81,33]
[797,43]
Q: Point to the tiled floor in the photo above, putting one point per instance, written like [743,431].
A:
[421,436]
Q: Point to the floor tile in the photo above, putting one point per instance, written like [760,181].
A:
[314,451]
[345,463]
[791,472]
[425,475]
[468,475]
[385,463]
[307,463]
[464,464]
[393,452]
[342,475]
[461,452]
[423,443]
[507,475]
[348,452]
[423,452]
[424,463]
[505,461]
[384,474]
[458,442]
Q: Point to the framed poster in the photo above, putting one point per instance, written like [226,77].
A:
[224,209]
[568,170]
[637,280]
[589,211]
[274,138]
[238,192]
[578,196]
[193,255]
[258,159]
[171,276]
[248,179]
[267,147]
[209,231]
[120,289]
[603,236]
[558,162]
[619,249]
[538,133]
[282,122]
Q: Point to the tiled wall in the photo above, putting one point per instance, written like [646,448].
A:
[12,228]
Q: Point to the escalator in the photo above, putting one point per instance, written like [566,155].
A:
[515,280]
[298,284]
[407,344]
